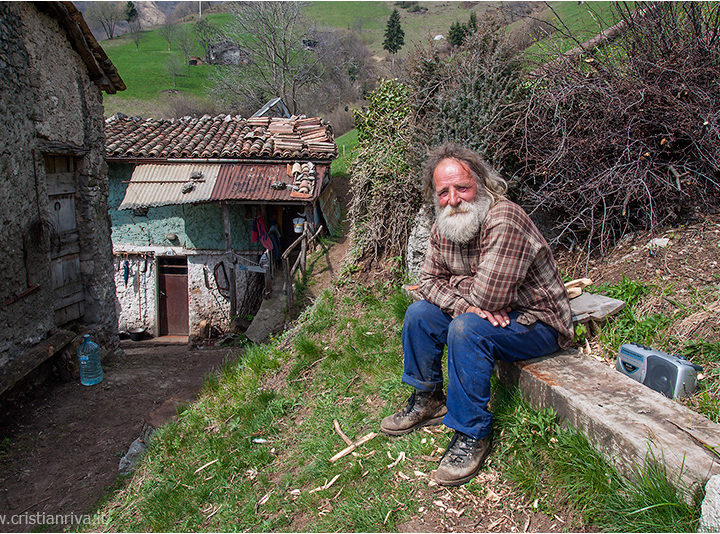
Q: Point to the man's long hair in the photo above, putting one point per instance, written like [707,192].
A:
[488,180]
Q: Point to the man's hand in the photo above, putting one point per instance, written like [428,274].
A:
[496,318]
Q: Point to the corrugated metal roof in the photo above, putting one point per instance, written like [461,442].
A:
[162,185]
[252,182]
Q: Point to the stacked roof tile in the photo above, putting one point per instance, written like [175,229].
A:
[222,137]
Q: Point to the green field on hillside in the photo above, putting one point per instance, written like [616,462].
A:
[145,74]
[584,20]
[149,86]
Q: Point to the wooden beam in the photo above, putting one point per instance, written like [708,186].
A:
[228,248]
[19,367]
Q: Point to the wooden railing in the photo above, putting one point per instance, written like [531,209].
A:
[305,241]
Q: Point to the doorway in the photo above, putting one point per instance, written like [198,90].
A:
[173,298]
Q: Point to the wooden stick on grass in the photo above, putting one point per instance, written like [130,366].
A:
[346,439]
[349,449]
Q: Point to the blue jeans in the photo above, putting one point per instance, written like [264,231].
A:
[473,346]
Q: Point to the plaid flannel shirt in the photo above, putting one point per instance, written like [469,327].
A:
[508,263]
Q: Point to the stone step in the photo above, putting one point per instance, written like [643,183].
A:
[622,418]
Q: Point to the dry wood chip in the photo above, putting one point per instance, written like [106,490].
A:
[215,511]
[204,466]
[492,496]
[326,485]
[396,461]
[403,475]
[265,498]
[430,458]
[419,473]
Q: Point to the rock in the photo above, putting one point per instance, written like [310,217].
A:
[710,517]
[418,241]
[129,462]
[658,242]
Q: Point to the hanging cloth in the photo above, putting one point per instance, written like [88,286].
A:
[259,232]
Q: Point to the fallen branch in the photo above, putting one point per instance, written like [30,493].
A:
[346,439]
[349,449]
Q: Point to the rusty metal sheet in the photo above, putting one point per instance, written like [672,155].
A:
[162,185]
[252,182]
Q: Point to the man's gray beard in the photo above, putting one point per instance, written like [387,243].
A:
[461,223]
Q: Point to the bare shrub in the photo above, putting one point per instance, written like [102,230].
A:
[183,106]
[626,137]
[341,118]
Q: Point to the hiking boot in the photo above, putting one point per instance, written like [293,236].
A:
[423,408]
[462,459]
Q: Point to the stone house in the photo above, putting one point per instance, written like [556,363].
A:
[186,198]
[56,280]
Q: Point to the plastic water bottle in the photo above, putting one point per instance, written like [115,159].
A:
[89,357]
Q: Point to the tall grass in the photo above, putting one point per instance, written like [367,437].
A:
[558,467]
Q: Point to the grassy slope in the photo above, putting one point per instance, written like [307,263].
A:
[346,144]
[584,21]
[145,74]
[253,452]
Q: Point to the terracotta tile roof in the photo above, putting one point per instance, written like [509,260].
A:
[222,137]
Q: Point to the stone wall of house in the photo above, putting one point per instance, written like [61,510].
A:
[46,97]
[137,301]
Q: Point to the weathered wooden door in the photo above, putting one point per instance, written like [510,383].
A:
[67,284]
[173,286]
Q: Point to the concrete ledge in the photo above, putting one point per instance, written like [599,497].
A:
[622,418]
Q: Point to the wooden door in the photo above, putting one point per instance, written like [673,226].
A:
[173,286]
[61,172]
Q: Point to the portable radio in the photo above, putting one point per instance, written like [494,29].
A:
[671,375]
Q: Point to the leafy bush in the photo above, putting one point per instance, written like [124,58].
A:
[470,97]
[385,198]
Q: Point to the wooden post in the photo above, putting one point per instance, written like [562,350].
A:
[228,248]
[288,285]
[303,249]
[310,216]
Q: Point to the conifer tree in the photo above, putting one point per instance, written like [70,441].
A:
[457,33]
[472,24]
[394,35]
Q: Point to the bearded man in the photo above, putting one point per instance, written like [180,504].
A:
[492,291]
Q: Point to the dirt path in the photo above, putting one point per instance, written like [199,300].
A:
[60,448]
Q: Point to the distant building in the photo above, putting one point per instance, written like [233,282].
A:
[227,53]
[56,279]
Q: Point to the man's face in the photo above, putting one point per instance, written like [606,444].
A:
[461,207]
[454,183]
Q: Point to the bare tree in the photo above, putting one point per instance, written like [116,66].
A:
[271,34]
[185,41]
[173,66]
[105,14]
[168,30]
[206,34]
[135,31]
